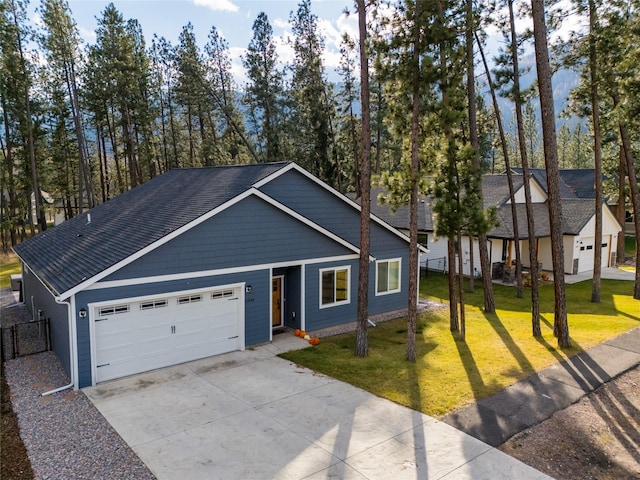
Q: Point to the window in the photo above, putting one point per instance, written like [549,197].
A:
[423,239]
[388,276]
[153,304]
[222,294]
[334,286]
[113,310]
[189,299]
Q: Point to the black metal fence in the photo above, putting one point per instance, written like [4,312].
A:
[24,339]
[434,265]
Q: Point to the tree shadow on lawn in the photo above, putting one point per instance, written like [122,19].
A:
[578,298]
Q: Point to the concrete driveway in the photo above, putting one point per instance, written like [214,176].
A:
[250,415]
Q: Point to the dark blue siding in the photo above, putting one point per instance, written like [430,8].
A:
[317,204]
[55,312]
[257,327]
[316,317]
[249,233]
[322,207]
[391,301]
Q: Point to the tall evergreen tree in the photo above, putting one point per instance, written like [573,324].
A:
[311,94]
[61,41]
[362,343]
[264,90]
[561,326]
[17,89]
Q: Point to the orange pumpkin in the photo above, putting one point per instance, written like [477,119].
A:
[314,341]
[302,333]
[296,332]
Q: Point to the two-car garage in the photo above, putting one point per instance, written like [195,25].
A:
[143,334]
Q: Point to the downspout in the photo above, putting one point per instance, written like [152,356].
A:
[71,351]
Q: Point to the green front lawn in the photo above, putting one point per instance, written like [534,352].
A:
[498,352]
[9,265]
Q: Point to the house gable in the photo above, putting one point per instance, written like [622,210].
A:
[302,193]
[250,232]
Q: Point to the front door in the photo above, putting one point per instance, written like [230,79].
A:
[276,302]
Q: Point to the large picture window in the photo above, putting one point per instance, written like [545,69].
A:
[334,286]
[387,276]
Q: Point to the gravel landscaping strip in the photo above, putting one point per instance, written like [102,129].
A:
[64,434]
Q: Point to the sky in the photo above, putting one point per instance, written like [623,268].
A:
[232,18]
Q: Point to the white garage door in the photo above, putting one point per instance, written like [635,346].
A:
[143,335]
[585,260]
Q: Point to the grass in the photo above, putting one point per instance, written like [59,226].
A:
[499,350]
[9,265]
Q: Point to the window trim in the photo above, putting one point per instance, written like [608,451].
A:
[387,261]
[334,270]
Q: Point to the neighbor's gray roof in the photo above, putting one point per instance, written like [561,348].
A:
[495,189]
[575,214]
[540,174]
[76,250]
[400,218]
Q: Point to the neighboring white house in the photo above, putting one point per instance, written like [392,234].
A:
[578,220]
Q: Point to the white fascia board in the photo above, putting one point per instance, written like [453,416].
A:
[149,248]
[212,273]
[344,198]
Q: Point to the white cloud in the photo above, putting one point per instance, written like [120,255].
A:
[87,34]
[218,5]
[281,23]
[37,20]
[238,72]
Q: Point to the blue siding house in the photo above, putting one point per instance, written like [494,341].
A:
[203,261]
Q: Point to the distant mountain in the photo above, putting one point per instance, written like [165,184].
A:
[563,82]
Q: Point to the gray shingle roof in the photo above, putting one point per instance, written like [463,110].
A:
[400,218]
[495,189]
[540,175]
[76,250]
[575,214]
[581,181]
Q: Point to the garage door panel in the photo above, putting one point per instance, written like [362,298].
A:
[165,331]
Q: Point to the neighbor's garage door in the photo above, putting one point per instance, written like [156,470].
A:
[135,337]
[585,260]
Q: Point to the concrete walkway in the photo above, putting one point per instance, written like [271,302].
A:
[251,415]
[609,273]
[497,418]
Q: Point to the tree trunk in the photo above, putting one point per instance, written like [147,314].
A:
[635,196]
[453,298]
[472,275]
[561,326]
[597,152]
[362,343]
[463,326]
[413,202]
[621,211]
[526,178]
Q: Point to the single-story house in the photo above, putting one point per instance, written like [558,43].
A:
[578,234]
[203,261]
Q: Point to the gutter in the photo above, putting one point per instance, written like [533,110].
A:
[71,352]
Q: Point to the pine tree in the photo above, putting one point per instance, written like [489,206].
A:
[311,98]
[264,91]
[561,326]
[61,42]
